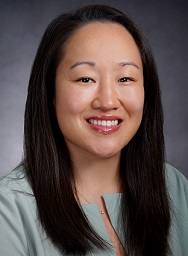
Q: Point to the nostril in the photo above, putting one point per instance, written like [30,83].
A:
[106,102]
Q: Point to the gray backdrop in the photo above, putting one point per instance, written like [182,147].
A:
[22,23]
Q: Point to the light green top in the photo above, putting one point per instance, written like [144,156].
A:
[21,233]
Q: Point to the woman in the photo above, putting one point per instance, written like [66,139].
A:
[93,179]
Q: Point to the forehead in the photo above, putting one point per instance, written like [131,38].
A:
[102,40]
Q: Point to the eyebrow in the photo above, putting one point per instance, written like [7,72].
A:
[92,64]
[124,63]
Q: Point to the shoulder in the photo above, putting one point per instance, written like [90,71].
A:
[21,230]
[16,195]
[15,181]
[175,180]
[177,188]
[18,216]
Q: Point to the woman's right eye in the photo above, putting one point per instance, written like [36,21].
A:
[85,80]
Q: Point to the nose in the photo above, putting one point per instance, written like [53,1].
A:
[106,97]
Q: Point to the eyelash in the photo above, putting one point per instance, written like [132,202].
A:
[87,79]
[125,79]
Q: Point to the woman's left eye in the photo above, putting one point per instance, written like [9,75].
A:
[125,79]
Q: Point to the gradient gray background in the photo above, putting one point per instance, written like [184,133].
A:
[22,24]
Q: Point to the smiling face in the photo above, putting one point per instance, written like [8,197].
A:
[99,93]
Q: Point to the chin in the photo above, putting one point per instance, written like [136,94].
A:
[106,153]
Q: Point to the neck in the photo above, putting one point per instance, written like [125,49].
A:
[96,176]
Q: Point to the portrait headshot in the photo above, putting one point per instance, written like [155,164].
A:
[94,128]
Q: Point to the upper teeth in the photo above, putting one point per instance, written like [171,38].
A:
[103,122]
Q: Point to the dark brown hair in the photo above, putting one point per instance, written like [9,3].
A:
[145,214]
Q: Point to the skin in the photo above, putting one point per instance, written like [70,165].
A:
[101,75]
[106,45]
[103,88]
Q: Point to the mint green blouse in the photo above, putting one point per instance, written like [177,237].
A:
[21,233]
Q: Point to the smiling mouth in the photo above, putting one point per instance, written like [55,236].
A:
[107,123]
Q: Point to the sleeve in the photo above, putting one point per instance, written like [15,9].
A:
[12,238]
[181,209]
[178,191]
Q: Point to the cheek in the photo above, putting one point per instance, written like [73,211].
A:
[134,100]
[71,101]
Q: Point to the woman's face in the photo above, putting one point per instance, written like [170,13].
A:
[99,93]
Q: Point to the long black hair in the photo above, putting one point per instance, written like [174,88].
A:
[145,210]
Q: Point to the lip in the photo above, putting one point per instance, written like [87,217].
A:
[105,129]
[103,117]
